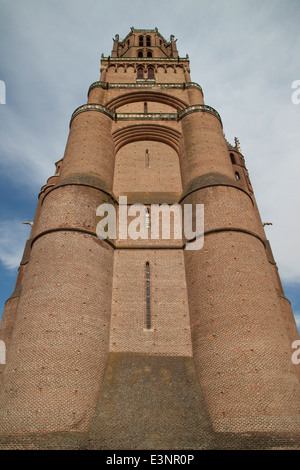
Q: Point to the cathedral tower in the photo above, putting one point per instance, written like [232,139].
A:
[141,343]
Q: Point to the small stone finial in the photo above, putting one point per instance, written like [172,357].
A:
[237,144]
[117,37]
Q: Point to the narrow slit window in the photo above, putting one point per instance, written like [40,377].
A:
[147,220]
[237,175]
[145,108]
[148,306]
[232,158]
[147,158]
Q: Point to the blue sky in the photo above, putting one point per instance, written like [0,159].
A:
[244,54]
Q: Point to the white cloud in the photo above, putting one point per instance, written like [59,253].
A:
[297,318]
[13,235]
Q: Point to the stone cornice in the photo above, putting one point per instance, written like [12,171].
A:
[81,179]
[145,59]
[93,107]
[145,84]
[209,180]
[235,229]
[117,246]
[199,108]
[146,116]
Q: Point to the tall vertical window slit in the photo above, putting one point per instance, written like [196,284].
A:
[148,309]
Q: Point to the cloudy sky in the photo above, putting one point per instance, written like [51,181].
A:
[244,54]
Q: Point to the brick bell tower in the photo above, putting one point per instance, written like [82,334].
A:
[142,344]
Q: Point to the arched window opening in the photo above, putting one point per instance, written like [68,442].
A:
[232,158]
[148,41]
[149,54]
[237,175]
[140,73]
[151,74]
[141,40]
[140,54]
[148,306]
[57,170]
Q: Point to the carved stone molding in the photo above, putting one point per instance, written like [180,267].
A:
[199,108]
[92,107]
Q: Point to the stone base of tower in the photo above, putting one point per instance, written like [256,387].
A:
[151,403]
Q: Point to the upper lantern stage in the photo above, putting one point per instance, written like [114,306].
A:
[144,43]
